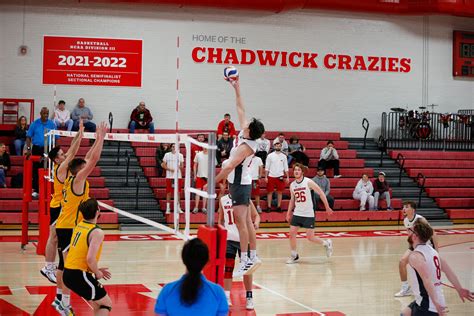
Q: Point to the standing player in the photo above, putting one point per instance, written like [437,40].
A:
[240,159]
[61,161]
[81,270]
[76,191]
[301,211]
[226,218]
[425,270]
[168,164]
[409,212]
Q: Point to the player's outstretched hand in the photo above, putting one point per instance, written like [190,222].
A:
[81,126]
[235,83]
[103,273]
[466,294]
[101,130]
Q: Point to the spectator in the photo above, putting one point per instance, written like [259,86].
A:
[168,164]
[193,294]
[224,146]
[363,192]
[257,172]
[35,142]
[284,145]
[263,148]
[325,185]
[382,189]
[195,148]
[200,177]
[296,152]
[62,117]
[226,125]
[21,129]
[275,168]
[141,119]
[160,154]
[81,111]
[4,165]
[329,158]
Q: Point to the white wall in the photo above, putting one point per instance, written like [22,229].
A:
[285,98]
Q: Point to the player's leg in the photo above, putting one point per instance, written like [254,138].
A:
[292,238]
[49,270]
[406,311]
[196,202]
[269,194]
[240,217]
[230,255]
[103,306]
[327,243]
[405,289]
[252,241]
[248,280]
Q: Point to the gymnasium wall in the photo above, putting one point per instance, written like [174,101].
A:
[285,97]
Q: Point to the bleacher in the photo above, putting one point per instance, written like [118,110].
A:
[449,179]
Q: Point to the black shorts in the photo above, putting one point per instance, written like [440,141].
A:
[240,193]
[64,240]
[54,214]
[84,284]
[417,310]
[305,222]
[233,248]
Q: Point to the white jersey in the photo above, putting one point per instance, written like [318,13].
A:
[434,270]
[202,160]
[242,172]
[170,159]
[409,224]
[255,167]
[303,200]
[229,224]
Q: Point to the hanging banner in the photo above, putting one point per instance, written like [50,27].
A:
[92,61]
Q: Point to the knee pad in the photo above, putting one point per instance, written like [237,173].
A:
[229,268]
[109,308]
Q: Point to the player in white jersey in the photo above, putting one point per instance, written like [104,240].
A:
[226,218]
[245,146]
[301,211]
[425,268]
[409,212]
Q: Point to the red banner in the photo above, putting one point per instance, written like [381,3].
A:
[92,61]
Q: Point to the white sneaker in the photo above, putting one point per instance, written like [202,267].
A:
[404,291]
[249,303]
[195,210]
[56,303]
[362,208]
[292,259]
[242,268]
[328,248]
[34,195]
[253,265]
[338,176]
[204,210]
[64,310]
[49,274]
[180,211]
[168,211]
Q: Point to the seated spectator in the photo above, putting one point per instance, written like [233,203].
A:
[363,193]
[263,148]
[296,152]
[169,161]
[224,146]
[4,165]
[62,117]
[325,185]
[160,154]
[257,172]
[329,158]
[82,111]
[141,119]
[284,145]
[226,125]
[193,294]
[21,129]
[200,169]
[382,189]
[276,176]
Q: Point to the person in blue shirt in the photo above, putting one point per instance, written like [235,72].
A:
[35,142]
[193,294]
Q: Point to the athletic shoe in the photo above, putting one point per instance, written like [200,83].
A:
[195,210]
[64,310]
[404,291]
[49,274]
[168,211]
[328,248]
[204,210]
[56,303]
[180,211]
[253,265]
[292,259]
[259,210]
[34,195]
[240,271]
[249,303]
[362,208]
[337,176]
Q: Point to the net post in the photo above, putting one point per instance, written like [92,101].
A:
[211,185]
[176,205]
[27,173]
[187,185]
[43,203]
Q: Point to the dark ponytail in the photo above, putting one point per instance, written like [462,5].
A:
[195,255]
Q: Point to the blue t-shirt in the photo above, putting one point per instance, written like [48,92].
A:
[38,129]
[211,300]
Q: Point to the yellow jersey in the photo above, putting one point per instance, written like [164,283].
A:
[57,196]
[70,215]
[77,255]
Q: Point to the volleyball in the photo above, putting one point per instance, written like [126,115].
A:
[231,73]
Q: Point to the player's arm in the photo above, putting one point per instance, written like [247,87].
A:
[313,186]
[254,215]
[239,105]
[462,292]
[241,153]
[418,262]
[195,168]
[71,153]
[96,238]
[291,206]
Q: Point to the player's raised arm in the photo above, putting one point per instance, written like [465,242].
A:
[239,104]
[313,186]
[71,153]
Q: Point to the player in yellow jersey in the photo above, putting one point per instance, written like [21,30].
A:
[76,190]
[81,271]
[61,161]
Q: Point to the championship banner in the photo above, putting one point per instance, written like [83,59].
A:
[92,61]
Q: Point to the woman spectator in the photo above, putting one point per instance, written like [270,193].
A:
[363,193]
[296,152]
[193,294]
[160,153]
[20,135]
[4,165]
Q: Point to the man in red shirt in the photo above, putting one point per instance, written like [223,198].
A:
[226,125]
[141,118]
